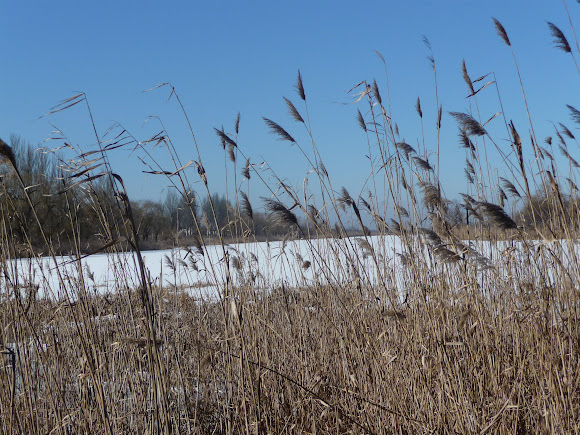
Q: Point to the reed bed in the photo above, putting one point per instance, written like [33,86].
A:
[469,323]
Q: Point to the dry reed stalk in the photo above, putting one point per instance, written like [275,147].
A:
[341,352]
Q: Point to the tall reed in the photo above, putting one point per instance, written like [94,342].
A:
[424,315]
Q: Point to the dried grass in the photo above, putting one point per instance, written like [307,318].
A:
[471,326]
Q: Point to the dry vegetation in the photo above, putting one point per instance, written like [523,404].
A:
[464,339]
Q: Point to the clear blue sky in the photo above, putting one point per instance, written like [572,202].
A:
[229,57]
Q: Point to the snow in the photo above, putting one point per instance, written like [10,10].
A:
[266,265]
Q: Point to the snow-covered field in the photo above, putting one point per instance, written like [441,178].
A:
[266,265]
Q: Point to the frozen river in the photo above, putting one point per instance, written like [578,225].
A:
[375,261]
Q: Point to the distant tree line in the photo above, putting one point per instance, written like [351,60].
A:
[79,211]
[75,210]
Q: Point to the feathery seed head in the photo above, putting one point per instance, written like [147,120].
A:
[497,216]
[6,153]
[300,87]
[418,107]
[574,113]
[466,77]
[246,206]
[560,40]
[246,169]
[566,131]
[225,139]
[469,124]
[405,148]
[278,130]
[237,124]
[280,212]
[501,32]
[232,153]
[361,121]
[293,111]
[376,92]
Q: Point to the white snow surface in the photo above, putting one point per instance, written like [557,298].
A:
[265,264]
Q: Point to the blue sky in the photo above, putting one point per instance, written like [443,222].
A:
[229,57]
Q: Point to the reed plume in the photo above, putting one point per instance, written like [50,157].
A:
[569,157]
[226,139]
[422,163]
[6,153]
[468,124]
[280,212]
[566,131]
[560,40]
[361,120]
[279,131]
[501,32]
[418,108]
[246,169]
[508,185]
[497,216]
[300,87]
[431,195]
[376,92]
[246,206]
[405,148]
[467,78]
[237,124]
[293,111]
[465,141]
[574,113]
[232,153]
[313,213]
